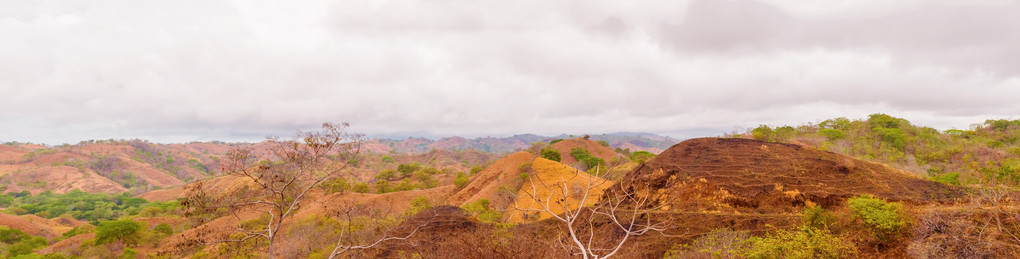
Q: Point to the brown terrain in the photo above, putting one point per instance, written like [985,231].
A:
[750,176]
[548,180]
[699,185]
[38,226]
[567,145]
[712,183]
[105,166]
[486,184]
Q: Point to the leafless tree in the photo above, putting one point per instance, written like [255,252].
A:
[627,209]
[282,177]
[1004,214]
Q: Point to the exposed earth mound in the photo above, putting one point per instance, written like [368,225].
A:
[486,184]
[547,181]
[751,176]
[567,145]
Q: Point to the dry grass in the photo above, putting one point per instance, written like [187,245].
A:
[547,180]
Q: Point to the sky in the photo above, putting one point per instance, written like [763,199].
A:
[180,71]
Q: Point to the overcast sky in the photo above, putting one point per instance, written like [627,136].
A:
[178,71]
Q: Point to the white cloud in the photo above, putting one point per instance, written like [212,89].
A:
[240,70]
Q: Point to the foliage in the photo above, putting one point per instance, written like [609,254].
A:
[78,231]
[336,185]
[987,153]
[476,169]
[551,154]
[461,180]
[408,169]
[951,178]
[163,229]
[26,246]
[764,133]
[387,159]
[128,253]
[641,156]
[481,210]
[720,243]
[807,242]
[383,186]
[554,141]
[80,205]
[831,134]
[886,220]
[361,188]
[11,235]
[816,217]
[126,230]
[419,204]
[388,174]
[585,158]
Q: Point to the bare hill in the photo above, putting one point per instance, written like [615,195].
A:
[547,180]
[742,175]
[486,184]
[567,145]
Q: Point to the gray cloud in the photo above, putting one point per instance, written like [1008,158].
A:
[203,70]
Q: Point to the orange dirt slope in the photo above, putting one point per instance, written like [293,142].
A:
[547,182]
[567,145]
[743,176]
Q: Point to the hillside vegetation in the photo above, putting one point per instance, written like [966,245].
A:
[879,187]
[987,153]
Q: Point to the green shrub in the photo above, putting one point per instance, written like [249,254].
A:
[831,134]
[388,174]
[807,242]
[720,243]
[78,231]
[361,188]
[476,169]
[554,141]
[641,156]
[405,185]
[335,185]
[586,158]
[886,220]
[163,229]
[480,210]
[763,133]
[419,204]
[128,231]
[461,180]
[408,169]
[128,253]
[524,167]
[817,217]
[387,159]
[551,154]
[26,246]
[11,235]
[383,186]
[951,178]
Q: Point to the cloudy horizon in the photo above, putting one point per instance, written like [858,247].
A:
[180,71]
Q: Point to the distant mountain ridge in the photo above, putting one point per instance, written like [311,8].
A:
[623,140]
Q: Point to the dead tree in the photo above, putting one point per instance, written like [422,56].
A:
[280,178]
[626,210]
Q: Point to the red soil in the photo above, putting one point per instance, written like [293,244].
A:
[742,175]
[567,145]
[32,225]
[486,184]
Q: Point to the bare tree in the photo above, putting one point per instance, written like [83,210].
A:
[281,178]
[627,209]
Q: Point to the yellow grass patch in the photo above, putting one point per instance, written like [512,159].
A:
[554,175]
